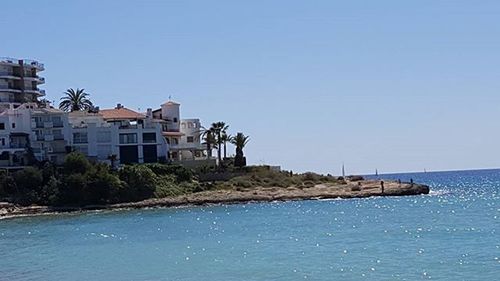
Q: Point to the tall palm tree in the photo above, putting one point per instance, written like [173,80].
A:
[75,100]
[240,141]
[209,140]
[225,137]
[219,128]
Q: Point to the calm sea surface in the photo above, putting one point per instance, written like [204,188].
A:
[451,234]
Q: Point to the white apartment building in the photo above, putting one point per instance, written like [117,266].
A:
[19,82]
[182,135]
[29,129]
[119,133]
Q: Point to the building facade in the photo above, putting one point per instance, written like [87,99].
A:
[29,133]
[182,135]
[118,135]
[19,82]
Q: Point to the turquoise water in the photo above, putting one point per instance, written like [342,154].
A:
[451,234]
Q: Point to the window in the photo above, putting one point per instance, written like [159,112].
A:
[80,137]
[148,137]
[190,139]
[84,149]
[103,136]
[58,135]
[57,121]
[3,142]
[175,119]
[2,126]
[190,125]
[13,125]
[128,138]
[183,125]
[176,141]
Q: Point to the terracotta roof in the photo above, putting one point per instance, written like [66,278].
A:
[121,113]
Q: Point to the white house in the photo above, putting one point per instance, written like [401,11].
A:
[182,135]
[42,131]
[121,133]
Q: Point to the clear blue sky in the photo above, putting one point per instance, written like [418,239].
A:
[394,85]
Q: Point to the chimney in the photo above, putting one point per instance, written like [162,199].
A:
[119,105]
[149,113]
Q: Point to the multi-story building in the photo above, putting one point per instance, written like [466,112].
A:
[29,131]
[182,135]
[120,134]
[19,82]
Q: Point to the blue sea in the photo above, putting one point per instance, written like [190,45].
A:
[451,234]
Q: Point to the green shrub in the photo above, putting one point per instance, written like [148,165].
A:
[102,186]
[180,172]
[140,182]
[76,163]
[72,190]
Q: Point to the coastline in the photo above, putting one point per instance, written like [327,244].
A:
[359,189]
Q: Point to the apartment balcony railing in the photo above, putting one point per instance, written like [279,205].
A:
[188,146]
[34,63]
[58,137]
[57,124]
[6,73]
[128,127]
[17,145]
[25,62]
[9,60]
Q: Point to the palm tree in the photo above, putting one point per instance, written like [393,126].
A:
[240,141]
[75,100]
[209,140]
[218,129]
[225,137]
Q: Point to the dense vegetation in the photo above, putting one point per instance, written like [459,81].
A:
[79,182]
[263,176]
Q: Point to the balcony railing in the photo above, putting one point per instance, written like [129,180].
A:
[34,63]
[6,73]
[17,145]
[9,60]
[25,62]
[58,124]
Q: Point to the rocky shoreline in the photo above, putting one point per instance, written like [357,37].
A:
[358,189]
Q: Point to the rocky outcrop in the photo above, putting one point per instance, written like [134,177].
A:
[358,189]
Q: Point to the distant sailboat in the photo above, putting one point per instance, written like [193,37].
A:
[376,172]
[343,170]
[425,171]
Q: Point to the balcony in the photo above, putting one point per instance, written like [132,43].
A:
[17,145]
[37,91]
[188,146]
[7,60]
[36,78]
[34,63]
[8,75]
[26,62]
[8,89]
[58,124]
